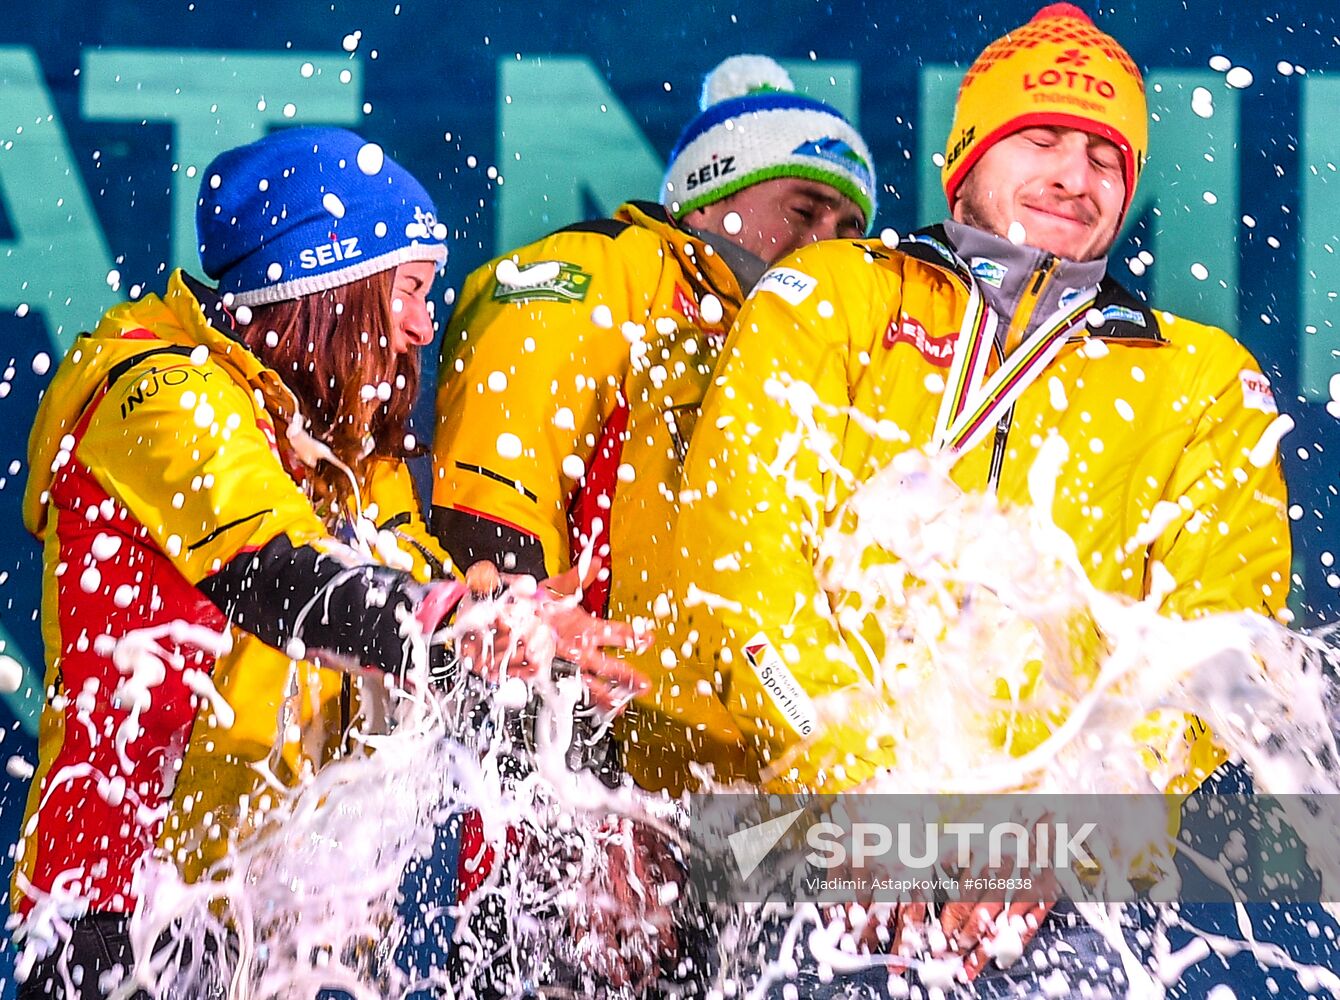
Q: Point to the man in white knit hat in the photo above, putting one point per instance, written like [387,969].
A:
[571,375]
[573,368]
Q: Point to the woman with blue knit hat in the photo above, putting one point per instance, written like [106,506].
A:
[220,471]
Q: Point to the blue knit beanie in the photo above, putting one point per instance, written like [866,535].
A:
[308,209]
[754,127]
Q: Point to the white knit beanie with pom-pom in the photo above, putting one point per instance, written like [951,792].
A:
[754,127]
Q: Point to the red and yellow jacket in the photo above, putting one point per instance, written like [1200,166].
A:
[571,378]
[1154,408]
[164,502]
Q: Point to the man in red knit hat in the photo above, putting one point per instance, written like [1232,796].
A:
[987,338]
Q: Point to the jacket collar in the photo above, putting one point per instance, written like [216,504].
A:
[1125,316]
[744,265]
[206,319]
[712,269]
[187,316]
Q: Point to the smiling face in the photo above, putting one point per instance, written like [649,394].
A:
[412,320]
[773,218]
[1063,186]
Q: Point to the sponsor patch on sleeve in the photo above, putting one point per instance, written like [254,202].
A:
[781,685]
[1256,394]
[1121,314]
[788,283]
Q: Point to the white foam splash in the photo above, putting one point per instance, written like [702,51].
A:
[269,919]
[143,660]
[966,592]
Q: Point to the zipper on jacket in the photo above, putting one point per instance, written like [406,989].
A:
[998,450]
[1048,262]
[1028,302]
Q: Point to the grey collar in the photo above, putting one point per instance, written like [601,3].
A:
[1004,270]
[744,265]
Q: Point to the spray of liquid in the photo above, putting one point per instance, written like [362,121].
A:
[969,592]
[986,621]
[309,898]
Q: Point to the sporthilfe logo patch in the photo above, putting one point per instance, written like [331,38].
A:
[781,685]
[538,281]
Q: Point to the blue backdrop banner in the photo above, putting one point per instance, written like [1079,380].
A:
[523,118]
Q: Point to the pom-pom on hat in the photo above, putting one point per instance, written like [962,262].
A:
[308,209]
[1060,70]
[754,127]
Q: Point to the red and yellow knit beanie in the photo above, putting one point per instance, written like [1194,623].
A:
[1058,69]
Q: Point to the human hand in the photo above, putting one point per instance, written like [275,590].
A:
[511,626]
[985,922]
[985,929]
[895,929]
[977,931]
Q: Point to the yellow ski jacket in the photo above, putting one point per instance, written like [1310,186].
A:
[571,377]
[168,511]
[1164,419]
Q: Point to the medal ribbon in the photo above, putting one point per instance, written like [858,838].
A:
[972,348]
[970,409]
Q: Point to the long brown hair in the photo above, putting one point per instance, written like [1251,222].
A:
[333,350]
